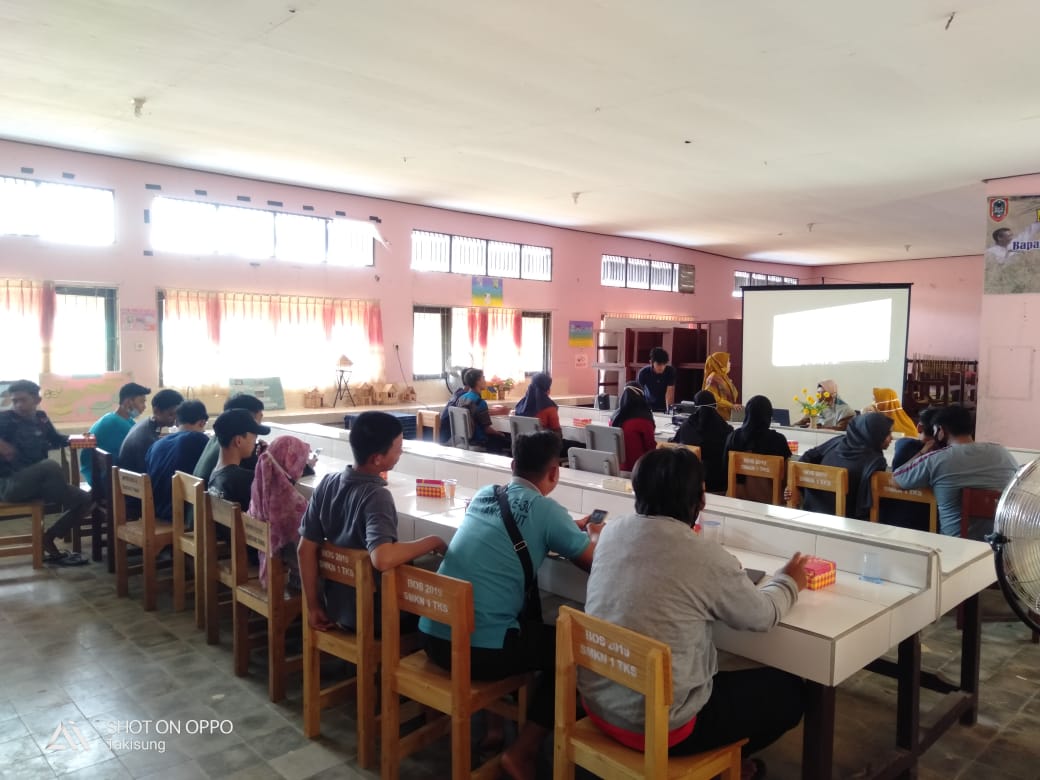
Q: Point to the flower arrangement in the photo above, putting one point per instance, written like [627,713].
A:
[812,405]
[497,388]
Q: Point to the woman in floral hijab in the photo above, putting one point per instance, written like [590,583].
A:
[274,499]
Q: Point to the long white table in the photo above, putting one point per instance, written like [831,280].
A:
[828,636]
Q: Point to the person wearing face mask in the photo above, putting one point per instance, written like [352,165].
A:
[112,428]
[146,432]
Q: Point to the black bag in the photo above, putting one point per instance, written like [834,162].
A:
[530,616]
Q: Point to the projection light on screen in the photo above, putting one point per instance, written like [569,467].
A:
[853,333]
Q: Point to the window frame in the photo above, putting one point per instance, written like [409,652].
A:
[487,262]
[110,295]
[648,264]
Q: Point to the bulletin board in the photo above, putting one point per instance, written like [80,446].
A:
[267,389]
[81,398]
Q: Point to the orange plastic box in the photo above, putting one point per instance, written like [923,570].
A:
[821,573]
[430,488]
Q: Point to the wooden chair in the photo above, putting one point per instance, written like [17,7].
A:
[99,526]
[446,600]
[250,595]
[977,504]
[144,532]
[189,490]
[24,544]
[674,444]
[428,418]
[218,578]
[644,665]
[352,568]
[829,479]
[91,525]
[883,487]
[749,464]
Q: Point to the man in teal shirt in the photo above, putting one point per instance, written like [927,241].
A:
[482,553]
[113,427]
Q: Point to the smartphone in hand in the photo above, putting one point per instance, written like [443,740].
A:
[598,516]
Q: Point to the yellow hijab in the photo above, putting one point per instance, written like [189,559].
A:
[887,402]
[717,381]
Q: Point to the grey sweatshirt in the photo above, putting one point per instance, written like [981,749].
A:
[656,576]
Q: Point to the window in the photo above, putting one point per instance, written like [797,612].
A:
[84,340]
[64,213]
[207,338]
[21,307]
[479,257]
[484,338]
[638,274]
[190,227]
[749,279]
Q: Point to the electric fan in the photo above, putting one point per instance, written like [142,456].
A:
[452,375]
[1016,542]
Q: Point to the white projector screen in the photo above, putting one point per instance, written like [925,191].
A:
[796,336]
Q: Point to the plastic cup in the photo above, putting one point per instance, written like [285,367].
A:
[449,488]
[711,530]
[871,568]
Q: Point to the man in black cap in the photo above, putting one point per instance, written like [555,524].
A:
[236,432]
[112,428]
[208,459]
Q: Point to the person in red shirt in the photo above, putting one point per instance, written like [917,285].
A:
[636,421]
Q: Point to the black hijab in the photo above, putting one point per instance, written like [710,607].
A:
[758,416]
[631,405]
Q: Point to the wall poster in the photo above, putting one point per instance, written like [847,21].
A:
[1013,245]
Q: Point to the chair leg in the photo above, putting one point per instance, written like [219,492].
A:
[390,760]
[95,539]
[150,563]
[121,564]
[240,639]
[200,588]
[112,542]
[366,715]
[37,537]
[275,658]
[312,689]
[179,583]
[460,747]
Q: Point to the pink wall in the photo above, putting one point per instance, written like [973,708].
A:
[1009,372]
[574,294]
[945,300]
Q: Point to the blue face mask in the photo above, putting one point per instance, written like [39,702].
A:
[134,414]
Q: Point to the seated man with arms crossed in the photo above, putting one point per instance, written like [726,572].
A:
[959,462]
[113,427]
[27,474]
[354,509]
[483,553]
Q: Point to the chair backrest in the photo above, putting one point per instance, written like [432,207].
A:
[519,426]
[101,484]
[750,464]
[674,445]
[606,438]
[830,479]
[351,567]
[978,504]
[130,484]
[461,422]
[427,594]
[248,532]
[625,657]
[882,486]
[191,490]
[596,461]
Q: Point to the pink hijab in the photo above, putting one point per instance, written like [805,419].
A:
[274,499]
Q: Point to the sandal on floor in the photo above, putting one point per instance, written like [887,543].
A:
[66,558]
[54,557]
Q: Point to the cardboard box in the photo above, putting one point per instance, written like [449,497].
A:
[820,572]
[430,488]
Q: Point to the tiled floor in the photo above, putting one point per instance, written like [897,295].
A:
[73,653]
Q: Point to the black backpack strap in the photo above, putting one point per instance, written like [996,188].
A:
[532,600]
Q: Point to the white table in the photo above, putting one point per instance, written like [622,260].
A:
[827,637]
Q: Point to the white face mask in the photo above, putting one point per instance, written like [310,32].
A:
[134,414]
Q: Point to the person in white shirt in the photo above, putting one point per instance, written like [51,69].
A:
[1006,245]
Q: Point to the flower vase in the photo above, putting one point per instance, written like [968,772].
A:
[501,393]
[812,422]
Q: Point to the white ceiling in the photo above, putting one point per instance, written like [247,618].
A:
[726,126]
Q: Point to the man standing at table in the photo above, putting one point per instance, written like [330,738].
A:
[27,474]
[113,427]
[658,381]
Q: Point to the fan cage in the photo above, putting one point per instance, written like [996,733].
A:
[1016,542]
